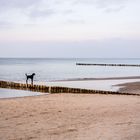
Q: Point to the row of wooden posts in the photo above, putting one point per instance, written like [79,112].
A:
[126,65]
[55,89]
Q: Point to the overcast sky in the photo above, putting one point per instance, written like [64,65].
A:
[70,28]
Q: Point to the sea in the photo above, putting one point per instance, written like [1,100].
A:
[49,70]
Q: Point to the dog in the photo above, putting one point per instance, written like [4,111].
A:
[30,77]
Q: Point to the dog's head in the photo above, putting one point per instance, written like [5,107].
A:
[33,74]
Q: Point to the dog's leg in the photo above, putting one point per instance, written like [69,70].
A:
[27,82]
[32,81]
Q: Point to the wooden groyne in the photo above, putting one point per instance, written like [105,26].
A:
[112,65]
[21,86]
[55,89]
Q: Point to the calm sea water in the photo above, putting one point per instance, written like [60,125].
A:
[48,70]
[11,93]
[14,69]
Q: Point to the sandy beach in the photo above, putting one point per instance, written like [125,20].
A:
[70,117]
[69,70]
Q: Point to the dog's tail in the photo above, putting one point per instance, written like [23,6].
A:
[26,74]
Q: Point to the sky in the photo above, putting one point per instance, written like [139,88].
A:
[70,28]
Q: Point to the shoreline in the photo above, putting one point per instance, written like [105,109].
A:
[106,78]
[115,85]
[125,87]
[90,87]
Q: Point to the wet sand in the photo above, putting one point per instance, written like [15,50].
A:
[105,84]
[70,117]
[131,87]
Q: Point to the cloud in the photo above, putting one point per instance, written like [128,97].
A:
[110,3]
[73,11]
[41,13]
[76,21]
[5,25]
[114,9]
[101,3]
[20,11]
[42,8]
[107,5]
[17,3]
[67,11]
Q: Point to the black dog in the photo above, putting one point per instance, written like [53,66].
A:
[30,77]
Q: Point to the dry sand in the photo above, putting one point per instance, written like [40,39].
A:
[70,117]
